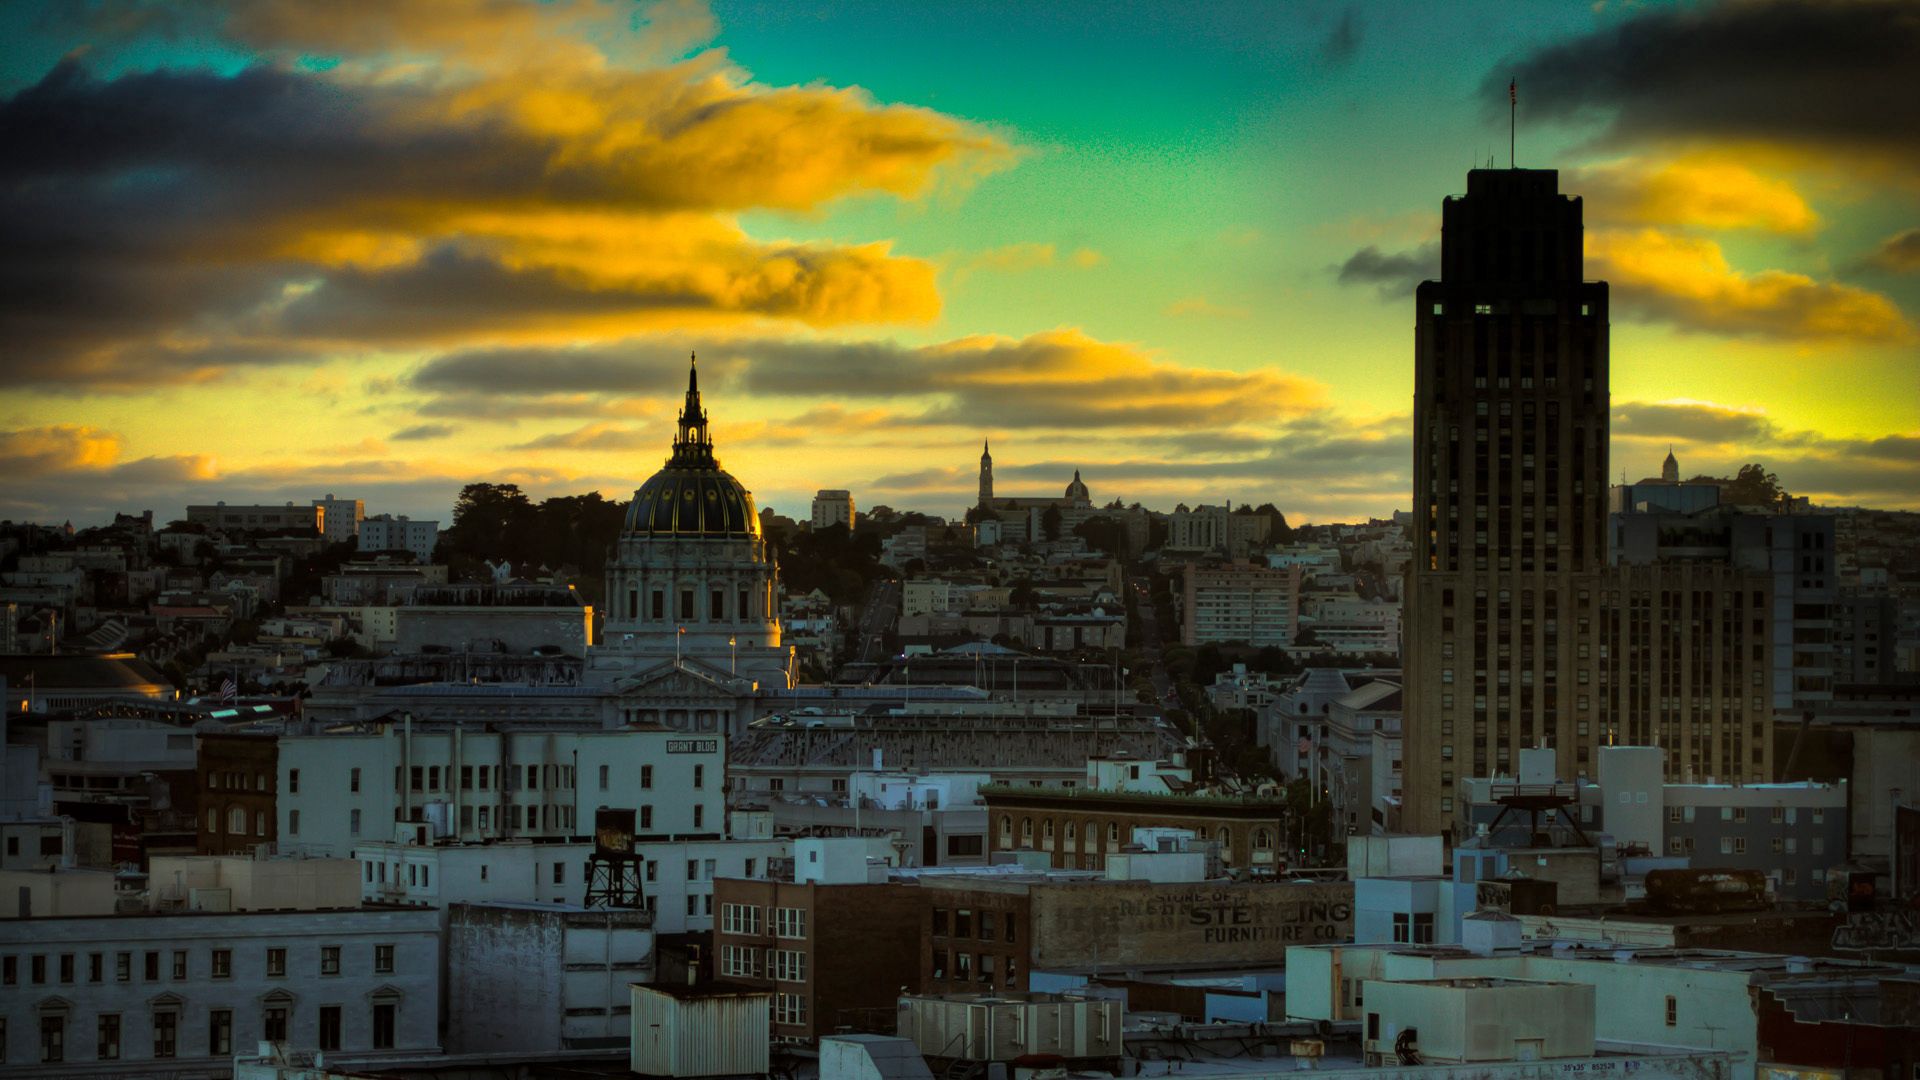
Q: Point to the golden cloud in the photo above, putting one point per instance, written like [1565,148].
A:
[472,171]
[1698,191]
[57,448]
[1688,281]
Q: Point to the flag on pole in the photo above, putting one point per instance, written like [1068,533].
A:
[1513,92]
[229,689]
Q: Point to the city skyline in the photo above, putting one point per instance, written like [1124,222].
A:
[1176,256]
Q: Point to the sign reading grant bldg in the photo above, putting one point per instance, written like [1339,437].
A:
[1142,923]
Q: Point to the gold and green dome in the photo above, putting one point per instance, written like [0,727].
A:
[692,496]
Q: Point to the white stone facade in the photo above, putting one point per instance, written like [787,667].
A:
[337,791]
[164,996]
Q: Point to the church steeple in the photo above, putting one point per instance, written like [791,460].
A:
[693,446]
[1670,469]
[986,472]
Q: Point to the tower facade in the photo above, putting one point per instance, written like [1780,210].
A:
[986,474]
[1510,463]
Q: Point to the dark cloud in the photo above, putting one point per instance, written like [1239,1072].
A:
[1061,379]
[1394,274]
[1899,252]
[1343,44]
[1810,72]
[422,432]
[1689,422]
[594,437]
[164,226]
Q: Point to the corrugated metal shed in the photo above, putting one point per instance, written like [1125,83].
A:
[712,1029]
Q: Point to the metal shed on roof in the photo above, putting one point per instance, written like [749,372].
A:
[710,1029]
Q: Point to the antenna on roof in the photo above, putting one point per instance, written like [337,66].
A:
[1513,111]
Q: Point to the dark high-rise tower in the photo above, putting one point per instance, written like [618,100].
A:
[1510,464]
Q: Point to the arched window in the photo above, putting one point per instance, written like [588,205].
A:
[1262,839]
[1046,828]
[1226,842]
[1006,827]
[213,820]
[1026,830]
[1113,832]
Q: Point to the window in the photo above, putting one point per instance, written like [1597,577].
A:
[1673,815]
[330,964]
[329,1027]
[646,776]
[646,817]
[66,967]
[293,781]
[559,873]
[789,1009]
[385,1015]
[383,959]
[986,967]
[353,780]
[1402,928]
[273,1024]
[1673,1011]
[293,823]
[1422,928]
[53,1037]
[107,1042]
[603,778]
[220,1031]
[179,964]
[939,963]
[739,919]
[96,967]
[790,922]
[223,963]
[789,965]
[739,960]
[699,776]
[699,815]
[166,1033]
[277,962]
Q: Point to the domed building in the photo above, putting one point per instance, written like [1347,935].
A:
[692,586]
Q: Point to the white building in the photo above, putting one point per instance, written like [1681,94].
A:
[340,519]
[175,995]
[676,876]
[1243,603]
[832,506]
[450,783]
[384,532]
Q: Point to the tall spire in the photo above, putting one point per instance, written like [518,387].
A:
[693,445]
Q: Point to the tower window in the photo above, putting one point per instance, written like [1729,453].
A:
[719,601]
[659,604]
[686,603]
[741,614]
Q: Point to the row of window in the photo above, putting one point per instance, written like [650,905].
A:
[165,1027]
[746,919]
[962,923]
[716,605]
[219,965]
[1777,815]
[425,778]
[753,962]
[1262,837]
[974,967]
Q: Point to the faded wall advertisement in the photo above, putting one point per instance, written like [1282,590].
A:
[1125,923]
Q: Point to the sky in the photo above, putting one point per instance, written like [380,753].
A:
[269,249]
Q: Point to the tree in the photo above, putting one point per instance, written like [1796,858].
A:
[1050,523]
[1755,486]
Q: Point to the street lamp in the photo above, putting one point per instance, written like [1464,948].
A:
[734,667]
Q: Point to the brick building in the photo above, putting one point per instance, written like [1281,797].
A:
[832,955]
[1079,829]
[238,776]
[976,935]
